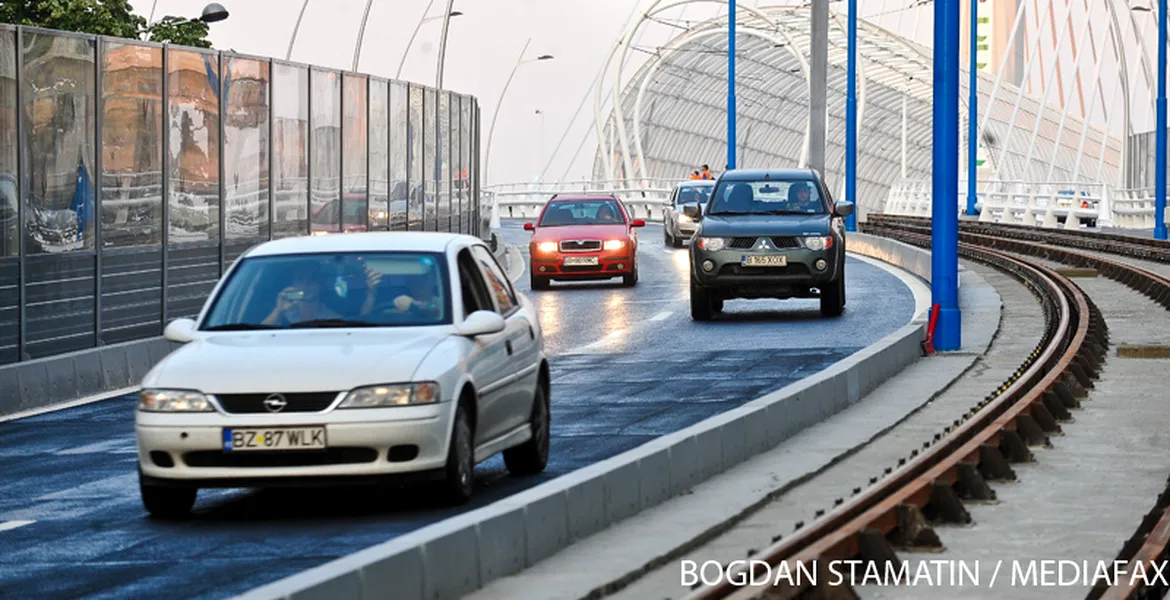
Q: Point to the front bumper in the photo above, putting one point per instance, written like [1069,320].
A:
[800,271]
[189,448]
[610,263]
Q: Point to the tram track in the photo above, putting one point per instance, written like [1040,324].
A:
[900,508]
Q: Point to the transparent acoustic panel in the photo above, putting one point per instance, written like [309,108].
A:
[193,186]
[58,109]
[132,127]
[246,147]
[9,193]
[325,150]
[443,161]
[430,168]
[354,151]
[379,155]
[290,132]
[399,155]
[416,126]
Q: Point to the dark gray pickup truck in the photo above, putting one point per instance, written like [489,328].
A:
[768,234]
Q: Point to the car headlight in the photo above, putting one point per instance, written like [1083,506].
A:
[173,401]
[683,218]
[818,243]
[547,247]
[614,244]
[711,243]
[397,394]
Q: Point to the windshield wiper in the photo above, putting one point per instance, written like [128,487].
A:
[787,212]
[240,327]
[333,323]
[730,212]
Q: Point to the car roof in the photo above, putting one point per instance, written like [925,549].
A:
[757,174]
[579,197]
[696,183]
[366,241]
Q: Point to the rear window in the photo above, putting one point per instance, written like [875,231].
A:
[582,212]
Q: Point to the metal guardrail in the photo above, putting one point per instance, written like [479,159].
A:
[1037,204]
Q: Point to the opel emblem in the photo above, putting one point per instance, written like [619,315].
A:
[275,403]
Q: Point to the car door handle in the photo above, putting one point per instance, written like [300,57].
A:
[508,345]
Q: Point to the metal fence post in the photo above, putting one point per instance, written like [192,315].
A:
[166,180]
[21,230]
[222,146]
[99,105]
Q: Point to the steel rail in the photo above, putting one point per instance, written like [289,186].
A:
[896,510]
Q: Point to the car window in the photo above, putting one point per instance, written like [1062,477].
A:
[693,195]
[342,289]
[772,196]
[497,281]
[562,213]
[472,286]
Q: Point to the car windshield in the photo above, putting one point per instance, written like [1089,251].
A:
[693,194]
[581,212]
[358,289]
[770,197]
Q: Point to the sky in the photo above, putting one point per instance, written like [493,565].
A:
[484,44]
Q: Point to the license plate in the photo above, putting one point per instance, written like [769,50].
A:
[580,261]
[765,260]
[274,438]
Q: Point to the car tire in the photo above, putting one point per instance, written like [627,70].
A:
[632,279]
[459,480]
[701,304]
[679,242]
[539,283]
[531,457]
[833,298]
[168,502]
[667,239]
[717,305]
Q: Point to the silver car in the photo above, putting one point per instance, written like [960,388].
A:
[676,226]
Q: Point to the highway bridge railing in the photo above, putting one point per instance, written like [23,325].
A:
[132,175]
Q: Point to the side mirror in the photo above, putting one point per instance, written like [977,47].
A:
[529,227]
[180,331]
[693,211]
[637,223]
[843,209]
[482,322]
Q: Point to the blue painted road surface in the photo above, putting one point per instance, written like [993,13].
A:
[628,365]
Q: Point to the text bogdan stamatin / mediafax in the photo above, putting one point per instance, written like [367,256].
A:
[936,573]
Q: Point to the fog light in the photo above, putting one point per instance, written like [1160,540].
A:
[543,269]
[821,264]
[620,266]
[708,265]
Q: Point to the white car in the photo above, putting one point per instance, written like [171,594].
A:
[365,357]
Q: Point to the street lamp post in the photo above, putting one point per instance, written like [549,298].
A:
[851,119]
[410,43]
[296,28]
[972,108]
[731,84]
[944,248]
[495,115]
[443,45]
[1160,136]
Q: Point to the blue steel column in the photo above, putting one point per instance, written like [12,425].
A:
[972,109]
[731,84]
[851,120]
[944,255]
[1160,158]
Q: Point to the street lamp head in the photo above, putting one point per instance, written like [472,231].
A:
[213,12]
[456,13]
[544,57]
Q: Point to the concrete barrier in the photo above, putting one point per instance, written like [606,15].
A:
[459,555]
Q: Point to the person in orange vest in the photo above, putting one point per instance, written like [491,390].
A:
[706,173]
[695,175]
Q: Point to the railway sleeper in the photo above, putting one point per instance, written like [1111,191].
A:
[1057,408]
[1044,419]
[1013,447]
[913,532]
[1030,430]
[971,486]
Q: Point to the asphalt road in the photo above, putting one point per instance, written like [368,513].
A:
[628,365]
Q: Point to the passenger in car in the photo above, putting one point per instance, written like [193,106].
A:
[421,298]
[300,301]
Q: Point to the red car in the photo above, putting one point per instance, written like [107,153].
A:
[580,238]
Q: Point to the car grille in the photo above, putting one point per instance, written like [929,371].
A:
[280,458]
[580,245]
[792,269]
[297,403]
[746,243]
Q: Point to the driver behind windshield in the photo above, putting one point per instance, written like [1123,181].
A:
[300,301]
[800,198]
[606,214]
[421,297]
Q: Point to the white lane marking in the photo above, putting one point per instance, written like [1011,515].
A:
[71,404]
[117,446]
[662,316]
[7,525]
